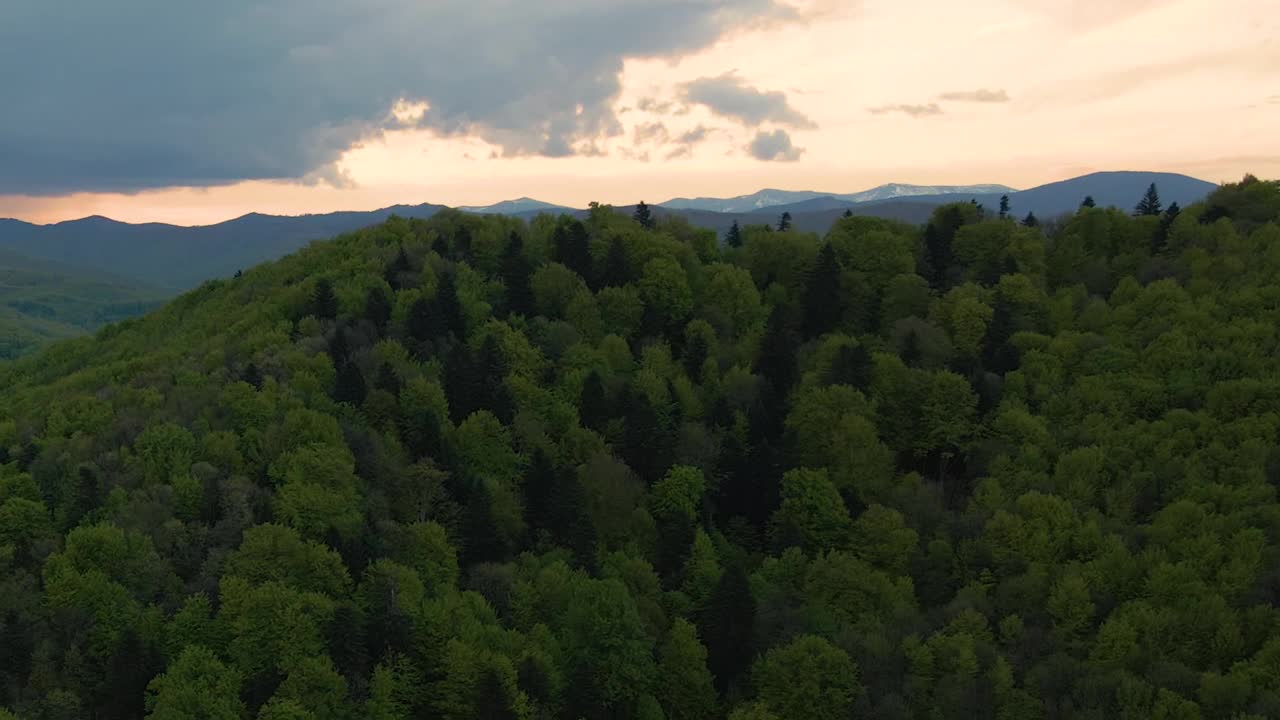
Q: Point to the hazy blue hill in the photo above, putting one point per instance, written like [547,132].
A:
[42,301]
[519,206]
[181,257]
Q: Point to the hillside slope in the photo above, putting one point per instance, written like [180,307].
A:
[471,467]
[42,301]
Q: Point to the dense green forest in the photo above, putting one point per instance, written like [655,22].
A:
[469,467]
[42,301]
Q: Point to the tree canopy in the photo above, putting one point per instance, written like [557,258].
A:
[471,467]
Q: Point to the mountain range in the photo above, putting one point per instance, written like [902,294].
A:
[773,198]
[175,258]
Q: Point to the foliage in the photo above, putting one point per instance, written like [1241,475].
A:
[472,467]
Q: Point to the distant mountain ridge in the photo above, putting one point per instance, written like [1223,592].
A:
[770,197]
[175,257]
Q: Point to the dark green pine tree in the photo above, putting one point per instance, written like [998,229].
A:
[784,222]
[399,267]
[726,627]
[492,366]
[324,304]
[644,216]
[823,307]
[349,385]
[910,353]
[449,308]
[572,246]
[539,491]
[479,542]
[253,376]
[1150,203]
[848,213]
[424,322]
[377,308]
[646,447]
[593,403]
[734,238]
[1160,239]
[1088,202]
[339,351]
[388,380]
[852,366]
[776,361]
[1031,220]
[617,267]
[694,356]
[346,641]
[492,697]
[516,274]
[462,244]
[1004,206]
[462,383]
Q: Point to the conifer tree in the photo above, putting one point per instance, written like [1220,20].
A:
[784,222]
[1160,239]
[644,216]
[1088,202]
[822,297]
[377,307]
[593,404]
[449,308]
[349,386]
[848,213]
[734,237]
[1004,206]
[851,366]
[617,268]
[324,304]
[572,246]
[776,361]
[1150,203]
[516,274]
[398,267]
[1031,220]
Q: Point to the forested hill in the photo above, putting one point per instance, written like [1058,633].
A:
[466,467]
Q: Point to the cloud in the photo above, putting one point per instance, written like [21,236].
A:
[654,132]
[980,96]
[655,106]
[684,151]
[695,136]
[912,110]
[774,145]
[134,94]
[729,96]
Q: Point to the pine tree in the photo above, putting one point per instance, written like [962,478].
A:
[450,309]
[617,268]
[593,404]
[1088,202]
[694,355]
[349,386]
[644,216]
[848,213]
[339,351]
[784,222]
[377,308]
[734,237]
[572,247]
[822,297]
[388,380]
[1160,239]
[1150,203]
[1004,206]
[776,362]
[1031,220]
[324,304]
[253,376]
[851,366]
[911,349]
[398,267]
[726,626]
[516,274]
[423,322]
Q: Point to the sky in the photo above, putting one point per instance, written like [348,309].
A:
[194,113]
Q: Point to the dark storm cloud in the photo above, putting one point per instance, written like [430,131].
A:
[774,146]
[729,96]
[136,94]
